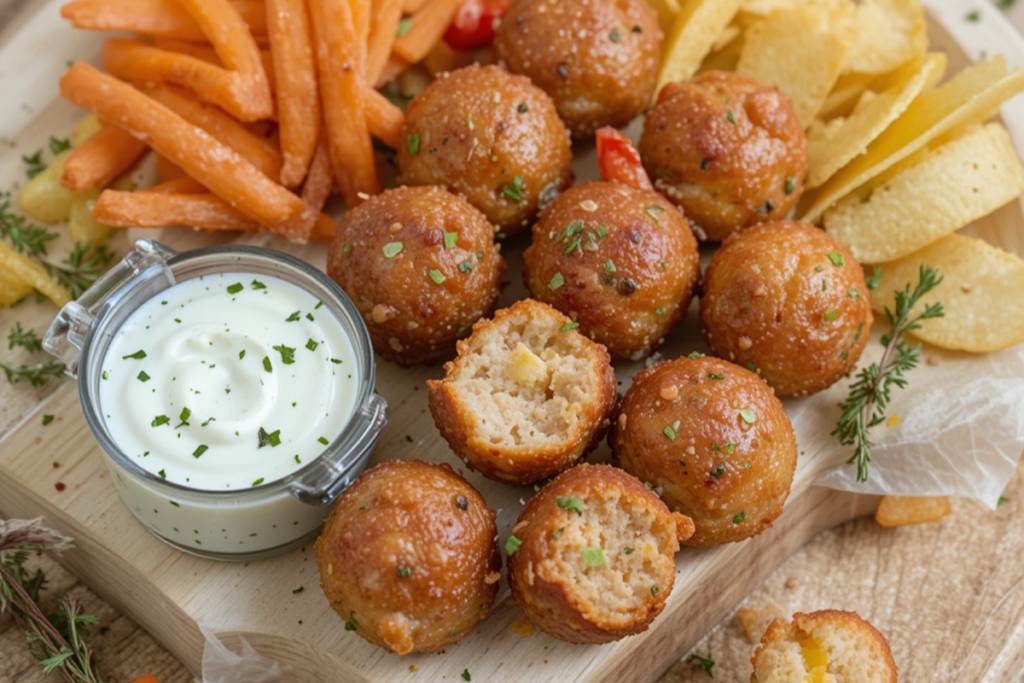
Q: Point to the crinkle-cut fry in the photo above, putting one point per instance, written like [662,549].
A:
[355,168]
[428,26]
[182,185]
[166,169]
[384,19]
[143,64]
[395,67]
[320,180]
[298,99]
[12,288]
[105,155]
[160,210]
[200,155]
[384,118]
[260,152]
[31,273]
[163,18]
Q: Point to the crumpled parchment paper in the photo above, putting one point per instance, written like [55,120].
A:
[221,665]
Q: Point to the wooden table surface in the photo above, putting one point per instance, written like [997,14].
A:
[921,586]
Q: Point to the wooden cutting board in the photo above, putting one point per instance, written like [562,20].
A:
[170,593]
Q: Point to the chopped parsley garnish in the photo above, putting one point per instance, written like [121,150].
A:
[437,276]
[393,249]
[713,375]
[654,590]
[163,475]
[414,144]
[450,239]
[235,288]
[258,482]
[570,326]
[837,259]
[695,355]
[199,451]
[143,377]
[350,623]
[160,420]
[853,293]
[718,471]
[628,551]
[574,504]
[702,662]
[138,355]
[466,266]
[790,185]
[241,354]
[514,190]
[403,572]
[466,675]
[593,557]
[875,279]
[266,364]
[185,415]
[311,345]
[609,266]
[655,211]
[287,354]
[1003,500]
[293,317]
[974,16]
[556,281]
[830,315]
[323,440]
[731,117]
[739,517]
[615,36]
[523,108]
[47,419]
[512,545]
[256,284]
[670,430]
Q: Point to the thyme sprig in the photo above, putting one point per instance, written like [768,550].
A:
[26,339]
[869,397]
[27,238]
[37,375]
[81,268]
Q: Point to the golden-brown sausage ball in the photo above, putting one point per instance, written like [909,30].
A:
[726,149]
[622,262]
[591,559]
[788,301]
[420,264]
[712,438]
[490,136]
[598,59]
[408,557]
[526,397]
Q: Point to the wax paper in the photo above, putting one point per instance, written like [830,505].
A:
[221,665]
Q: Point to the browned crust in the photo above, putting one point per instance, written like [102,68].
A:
[551,603]
[455,420]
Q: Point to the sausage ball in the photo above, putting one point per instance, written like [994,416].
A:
[526,397]
[726,149]
[621,262]
[788,301]
[490,136]
[421,265]
[712,438]
[591,559]
[598,59]
[408,557]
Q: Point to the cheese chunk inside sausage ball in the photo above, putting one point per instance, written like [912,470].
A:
[421,265]
[490,136]
[713,439]
[621,262]
[598,59]
[408,557]
[726,149]
[787,300]
[591,559]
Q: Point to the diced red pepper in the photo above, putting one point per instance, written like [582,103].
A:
[619,160]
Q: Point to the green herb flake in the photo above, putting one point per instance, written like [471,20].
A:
[574,504]
[138,355]
[713,375]
[748,416]
[414,144]
[853,293]
[1003,500]
[570,326]
[790,185]
[185,415]
[514,190]
[197,453]
[393,249]
[837,259]
[512,545]
[654,590]
[160,420]
[874,280]
[609,266]
[523,108]
[287,354]
[707,663]
[266,364]
[47,419]
[143,377]
[695,355]
[296,591]
[350,623]
[258,482]
[163,475]
[256,284]
[323,440]
[556,282]
[974,16]
[615,36]
[628,551]
[830,315]
[593,557]
[404,26]
[241,354]
[731,117]
[450,239]
[235,288]
[466,676]
[655,211]
[437,276]
[739,517]
[311,345]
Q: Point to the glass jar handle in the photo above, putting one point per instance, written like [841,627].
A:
[67,333]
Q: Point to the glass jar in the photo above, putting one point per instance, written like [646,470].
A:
[260,521]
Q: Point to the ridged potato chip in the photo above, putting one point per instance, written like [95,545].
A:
[844,95]
[980,294]
[904,510]
[32,274]
[726,58]
[697,26]
[973,92]
[832,147]
[888,33]
[803,70]
[765,7]
[950,187]
[12,288]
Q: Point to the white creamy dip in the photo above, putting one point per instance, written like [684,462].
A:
[228,382]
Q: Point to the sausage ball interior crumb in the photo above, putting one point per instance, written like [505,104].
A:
[491,136]
[621,262]
[526,397]
[420,264]
[726,149]
[713,439]
[598,59]
[592,555]
[825,647]
[408,557]
[786,299]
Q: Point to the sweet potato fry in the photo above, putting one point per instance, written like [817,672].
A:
[208,54]
[320,180]
[428,26]
[105,155]
[199,154]
[323,229]
[159,210]
[904,510]
[258,151]
[384,20]
[182,185]
[384,118]
[298,101]
[411,6]
[352,159]
[166,169]
[164,18]
[442,58]
[395,67]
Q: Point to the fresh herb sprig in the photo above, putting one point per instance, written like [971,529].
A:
[705,662]
[869,397]
[37,375]
[26,339]
[33,164]
[27,238]
[81,268]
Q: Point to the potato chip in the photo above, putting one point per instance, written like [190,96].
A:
[724,59]
[961,99]
[12,288]
[667,11]
[904,510]
[950,187]
[888,33]
[980,294]
[731,33]
[756,621]
[844,95]
[803,70]
[833,147]
[697,25]
[765,7]
[32,274]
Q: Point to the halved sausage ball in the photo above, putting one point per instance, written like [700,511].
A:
[621,262]
[591,559]
[598,59]
[490,136]
[421,265]
[726,149]
[788,301]
[713,441]
[408,557]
